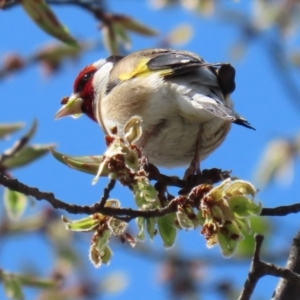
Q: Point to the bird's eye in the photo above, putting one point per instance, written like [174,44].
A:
[82,80]
[87,76]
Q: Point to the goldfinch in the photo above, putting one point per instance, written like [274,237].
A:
[183,102]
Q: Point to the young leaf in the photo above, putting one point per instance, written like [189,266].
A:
[167,229]
[107,255]
[151,227]
[121,35]
[40,283]
[85,224]
[56,53]
[135,26]
[26,155]
[15,203]
[12,287]
[88,164]
[141,226]
[110,40]
[42,15]
[6,129]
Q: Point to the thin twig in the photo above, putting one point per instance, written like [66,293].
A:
[281,210]
[260,269]
[287,289]
[89,5]
[107,190]
[128,213]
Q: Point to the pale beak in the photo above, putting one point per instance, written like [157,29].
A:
[71,108]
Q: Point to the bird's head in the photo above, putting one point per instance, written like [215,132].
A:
[89,86]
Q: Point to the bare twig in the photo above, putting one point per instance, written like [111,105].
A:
[123,213]
[208,176]
[89,4]
[129,213]
[96,7]
[281,210]
[288,289]
[107,190]
[260,269]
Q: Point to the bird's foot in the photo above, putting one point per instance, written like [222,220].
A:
[193,169]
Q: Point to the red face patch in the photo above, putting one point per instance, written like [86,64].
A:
[83,85]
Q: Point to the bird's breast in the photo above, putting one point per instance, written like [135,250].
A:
[169,135]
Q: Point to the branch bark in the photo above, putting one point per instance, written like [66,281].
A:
[287,289]
[260,269]
[126,214]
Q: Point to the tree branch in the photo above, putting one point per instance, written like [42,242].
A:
[127,214]
[281,210]
[89,5]
[107,190]
[288,289]
[260,269]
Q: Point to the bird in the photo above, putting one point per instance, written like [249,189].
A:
[184,102]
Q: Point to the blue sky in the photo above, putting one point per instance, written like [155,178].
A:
[259,97]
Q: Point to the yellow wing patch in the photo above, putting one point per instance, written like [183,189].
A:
[142,70]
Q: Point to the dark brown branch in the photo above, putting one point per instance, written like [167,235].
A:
[281,210]
[95,7]
[287,289]
[96,4]
[260,269]
[208,176]
[107,190]
[129,213]
[122,213]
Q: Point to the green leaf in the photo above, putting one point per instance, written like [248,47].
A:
[151,227]
[121,35]
[26,155]
[42,15]
[229,237]
[12,287]
[110,40]
[107,255]
[56,53]
[227,244]
[246,246]
[141,226]
[85,224]
[87,164]
[15,203]
[244,207]
[103,240]
[167,229]
[135,26]
[6,129]
[28,280]
[184,221]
